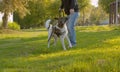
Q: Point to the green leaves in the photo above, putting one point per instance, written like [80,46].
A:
[98,15]
[10,6]
[40,10]
[83,4]
[105,4]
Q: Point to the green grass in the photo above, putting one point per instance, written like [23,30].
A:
[97,50]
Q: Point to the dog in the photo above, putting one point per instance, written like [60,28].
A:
[59,30]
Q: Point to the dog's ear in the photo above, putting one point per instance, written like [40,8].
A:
[56,18]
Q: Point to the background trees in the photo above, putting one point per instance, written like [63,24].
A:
[42,10]
[10,6]
[35,12]
[97,15]
[105,4]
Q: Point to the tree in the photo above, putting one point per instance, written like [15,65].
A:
[105,4]
[97,15]
[36,9]
[40,10]
[84,6]
[10,6]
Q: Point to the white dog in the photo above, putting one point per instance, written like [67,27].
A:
[58,30]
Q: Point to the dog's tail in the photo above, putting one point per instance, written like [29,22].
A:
[47,24]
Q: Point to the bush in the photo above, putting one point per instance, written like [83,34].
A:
[13,26]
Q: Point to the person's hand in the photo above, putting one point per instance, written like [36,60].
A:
[71,11]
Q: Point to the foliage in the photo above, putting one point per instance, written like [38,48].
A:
[105,4]
[85,9]
[42,10]
[10,6]
[97,15]
[98,50]
[83,4]
[13,26]
[92,15]
[85,15]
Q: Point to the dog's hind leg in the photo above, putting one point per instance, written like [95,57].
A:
[70,45]
[55,39]
[62,41]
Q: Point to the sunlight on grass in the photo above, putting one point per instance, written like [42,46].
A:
[69,53]
[95,28]
[24,34]
[113,41]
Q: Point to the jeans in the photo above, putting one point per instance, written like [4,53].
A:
[71,24]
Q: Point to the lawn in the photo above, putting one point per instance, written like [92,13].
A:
[97,50]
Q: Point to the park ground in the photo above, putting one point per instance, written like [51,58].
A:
[97,50]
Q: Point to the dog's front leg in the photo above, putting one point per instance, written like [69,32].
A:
[49,37]
[62,41]
[70,45]
[48,41]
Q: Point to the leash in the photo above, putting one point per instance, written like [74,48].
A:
[61,14]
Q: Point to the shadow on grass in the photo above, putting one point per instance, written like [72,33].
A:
[23,47]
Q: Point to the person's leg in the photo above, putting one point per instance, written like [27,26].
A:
[71,23]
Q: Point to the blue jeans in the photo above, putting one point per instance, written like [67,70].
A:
[71,24]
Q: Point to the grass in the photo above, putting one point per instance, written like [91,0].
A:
[97,50]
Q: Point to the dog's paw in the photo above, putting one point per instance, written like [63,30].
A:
[70,46]
[64,49]
[48,46]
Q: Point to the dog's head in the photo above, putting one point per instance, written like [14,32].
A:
[61,21]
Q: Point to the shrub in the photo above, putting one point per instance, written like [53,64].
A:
[13,26]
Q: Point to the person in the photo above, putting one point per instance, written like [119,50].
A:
[71,9]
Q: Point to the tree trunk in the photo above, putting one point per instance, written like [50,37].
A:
[83,17]
[5,20]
